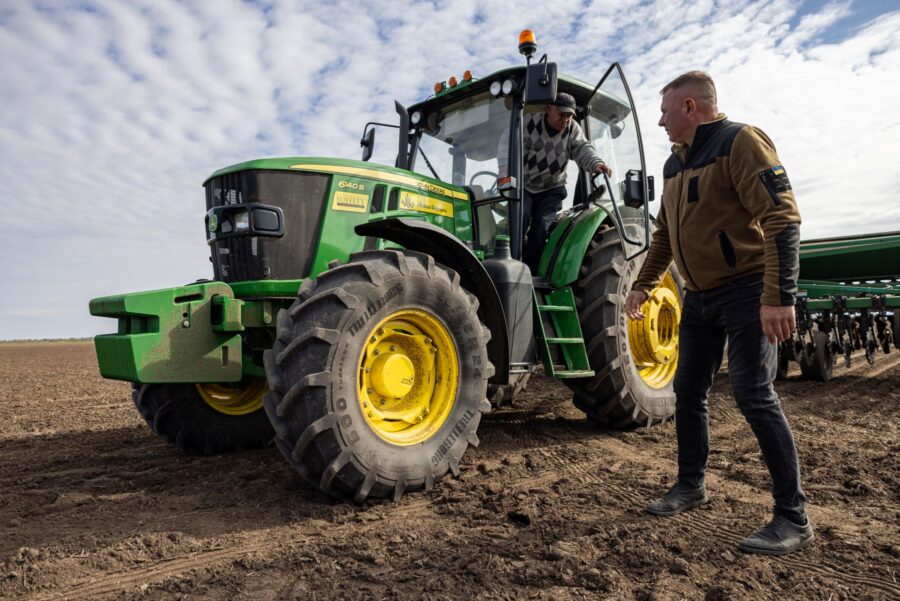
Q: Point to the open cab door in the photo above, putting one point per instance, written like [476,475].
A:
[612,125]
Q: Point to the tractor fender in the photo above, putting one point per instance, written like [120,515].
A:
[422,236]
[562,257]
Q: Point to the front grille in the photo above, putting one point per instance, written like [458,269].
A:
[300,195]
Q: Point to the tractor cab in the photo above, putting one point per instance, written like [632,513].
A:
[469,133]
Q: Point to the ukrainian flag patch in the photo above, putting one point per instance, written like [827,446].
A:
[775,180]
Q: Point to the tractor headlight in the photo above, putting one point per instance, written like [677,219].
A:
[495,88]
[415,118]
[242,221]
[508,86]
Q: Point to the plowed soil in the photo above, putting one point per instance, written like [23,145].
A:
[94,506]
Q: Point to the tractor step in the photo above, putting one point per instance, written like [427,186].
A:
[556,323]
[564,340]
[554,309]
[565,373]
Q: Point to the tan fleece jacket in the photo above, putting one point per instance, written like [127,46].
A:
[728,210]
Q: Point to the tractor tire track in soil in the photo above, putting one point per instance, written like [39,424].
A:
[550,506]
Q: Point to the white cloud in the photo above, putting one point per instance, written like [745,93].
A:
[115,112]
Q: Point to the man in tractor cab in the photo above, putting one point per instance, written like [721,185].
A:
[730,221]
[550,139]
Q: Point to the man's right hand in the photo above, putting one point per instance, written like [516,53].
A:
[633,303]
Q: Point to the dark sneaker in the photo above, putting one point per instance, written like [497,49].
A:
[677,500]
[779,537]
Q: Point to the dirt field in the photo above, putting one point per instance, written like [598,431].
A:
[94,506]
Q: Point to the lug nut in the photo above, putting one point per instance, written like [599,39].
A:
[393,348]
[434,349]
[373,340]
[376,352]
[428,341]
[380,331]
[383,401]
[369,390]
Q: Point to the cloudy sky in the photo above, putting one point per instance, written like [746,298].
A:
[113,113]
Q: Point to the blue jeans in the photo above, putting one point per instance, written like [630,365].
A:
[538,211]
[709,318]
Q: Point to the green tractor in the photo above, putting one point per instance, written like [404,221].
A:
[366,316]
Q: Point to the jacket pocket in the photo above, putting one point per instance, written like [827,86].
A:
[694,189]
[727,248]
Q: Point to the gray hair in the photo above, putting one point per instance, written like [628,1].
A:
[701,84]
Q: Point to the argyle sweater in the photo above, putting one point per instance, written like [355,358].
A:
[547,153]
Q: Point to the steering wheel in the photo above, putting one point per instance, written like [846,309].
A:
[494,175]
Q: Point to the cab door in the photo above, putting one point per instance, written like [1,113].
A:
[613,128]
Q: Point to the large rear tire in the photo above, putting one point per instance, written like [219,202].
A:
[206,419]
[634,362]
[378,376]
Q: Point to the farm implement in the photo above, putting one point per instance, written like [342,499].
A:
[849,299]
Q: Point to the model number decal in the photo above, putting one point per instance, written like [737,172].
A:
[351,185]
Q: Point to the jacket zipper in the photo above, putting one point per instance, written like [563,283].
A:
[687,272]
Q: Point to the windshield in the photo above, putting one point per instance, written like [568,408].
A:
[461,142]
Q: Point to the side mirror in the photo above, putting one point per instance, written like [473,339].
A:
[540,83]
[615,129]
[634,196]
[368,144]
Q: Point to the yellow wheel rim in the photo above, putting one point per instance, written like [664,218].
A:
[408,377]
[654,340]
[234,400]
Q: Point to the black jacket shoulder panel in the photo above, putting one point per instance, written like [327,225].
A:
[672,167]
[712,141]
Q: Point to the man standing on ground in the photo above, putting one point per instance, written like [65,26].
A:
[730,221]
[550,139]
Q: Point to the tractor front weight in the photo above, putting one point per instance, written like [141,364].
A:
[189,334]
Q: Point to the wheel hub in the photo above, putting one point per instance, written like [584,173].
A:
[408,373]
[236,399]
[654,340]
[393,374]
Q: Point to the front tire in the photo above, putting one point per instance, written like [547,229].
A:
[378,376]
[634,362]
[206,419]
